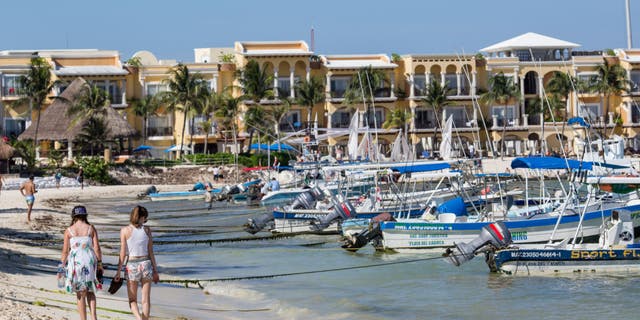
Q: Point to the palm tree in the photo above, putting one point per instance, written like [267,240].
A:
[91,103]
[309,93]
[185,88]
[229,113]
[36,86]
[209,102]
[561,85]
[94,133]
[257,85]
[278,112]
[149,105]
[502,90]
[398,119]
[364,85]
[254,121]
[436,97]
[611,80]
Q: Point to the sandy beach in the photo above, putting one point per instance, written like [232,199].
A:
[28,288]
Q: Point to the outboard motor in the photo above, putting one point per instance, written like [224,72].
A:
[148,191]
[254,225]
[369,233]
[307,199]
[495,234]
[341,210]
[227,191]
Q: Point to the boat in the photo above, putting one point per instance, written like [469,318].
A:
[535,221]
[615,251]
[178,195]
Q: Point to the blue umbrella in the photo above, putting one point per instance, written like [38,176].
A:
[142,148]
[281,146]
[261,146]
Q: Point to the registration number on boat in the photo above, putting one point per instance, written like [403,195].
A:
[535,254]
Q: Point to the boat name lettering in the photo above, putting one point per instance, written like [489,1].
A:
[426,243]
[602,254]
[422,236]
[422,227]
[519,235]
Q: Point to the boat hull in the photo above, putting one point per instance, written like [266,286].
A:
[556,261]
[410,234]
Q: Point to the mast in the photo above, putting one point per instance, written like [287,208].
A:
[629,41]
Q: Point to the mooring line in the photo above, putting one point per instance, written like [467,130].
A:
[199,282]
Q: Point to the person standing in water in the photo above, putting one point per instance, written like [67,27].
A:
[58,177]
[136,242]
[82,257]
[28,191]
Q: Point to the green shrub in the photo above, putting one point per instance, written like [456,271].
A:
[96,169]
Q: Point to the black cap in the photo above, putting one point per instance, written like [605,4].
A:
[78,211]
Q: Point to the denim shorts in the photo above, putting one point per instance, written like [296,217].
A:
[139,270]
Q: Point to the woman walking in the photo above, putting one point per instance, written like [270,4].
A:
[136,243]
[82,257]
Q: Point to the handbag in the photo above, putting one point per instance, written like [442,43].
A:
[116,284]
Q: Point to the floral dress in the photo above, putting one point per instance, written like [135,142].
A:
[81,265]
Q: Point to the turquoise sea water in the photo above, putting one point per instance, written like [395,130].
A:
[428,289]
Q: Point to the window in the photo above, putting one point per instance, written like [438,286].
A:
[160,125]
[111,88]
[13,127]
[635,81]
[452,83]
[375,120]
[635,112]
[341,119]
[509,115]
[459,114]
[284,86]
[11,85]
[196,128]
[339,86]
[155,88]
[591,112]
[425,119]
[523,55]
[587,77]
[419,85]
[290,122]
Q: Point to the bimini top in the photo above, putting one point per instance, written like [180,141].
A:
[421,167]
[549,163]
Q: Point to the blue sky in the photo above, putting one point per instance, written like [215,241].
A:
[172,29]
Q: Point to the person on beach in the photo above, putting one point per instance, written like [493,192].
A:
[58,177]
[82,257]
[80,177]
[28,191]
[136,242]
[1,182]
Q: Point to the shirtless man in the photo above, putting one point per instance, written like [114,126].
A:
[28,190]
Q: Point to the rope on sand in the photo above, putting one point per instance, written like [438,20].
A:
[198,282]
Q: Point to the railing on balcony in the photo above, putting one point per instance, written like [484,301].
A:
[337,94]
[288,127]
[160,131]
[12,91]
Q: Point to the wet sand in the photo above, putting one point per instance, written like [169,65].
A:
[28,288]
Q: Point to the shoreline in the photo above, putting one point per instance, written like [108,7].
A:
[28,287]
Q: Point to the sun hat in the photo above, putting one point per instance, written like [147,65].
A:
[78,211]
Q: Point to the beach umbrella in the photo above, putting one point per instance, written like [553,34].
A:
[281,146]
[6,151]
[261,146]
[176,148]
[142,148]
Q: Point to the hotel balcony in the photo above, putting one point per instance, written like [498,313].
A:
[11,91]
[380,95]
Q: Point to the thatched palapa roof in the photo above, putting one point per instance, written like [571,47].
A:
[56,125]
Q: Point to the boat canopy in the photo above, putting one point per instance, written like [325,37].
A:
[421,167]
[578,121]
[549,163]
[455,206]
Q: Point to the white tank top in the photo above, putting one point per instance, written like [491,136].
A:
[138,243]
